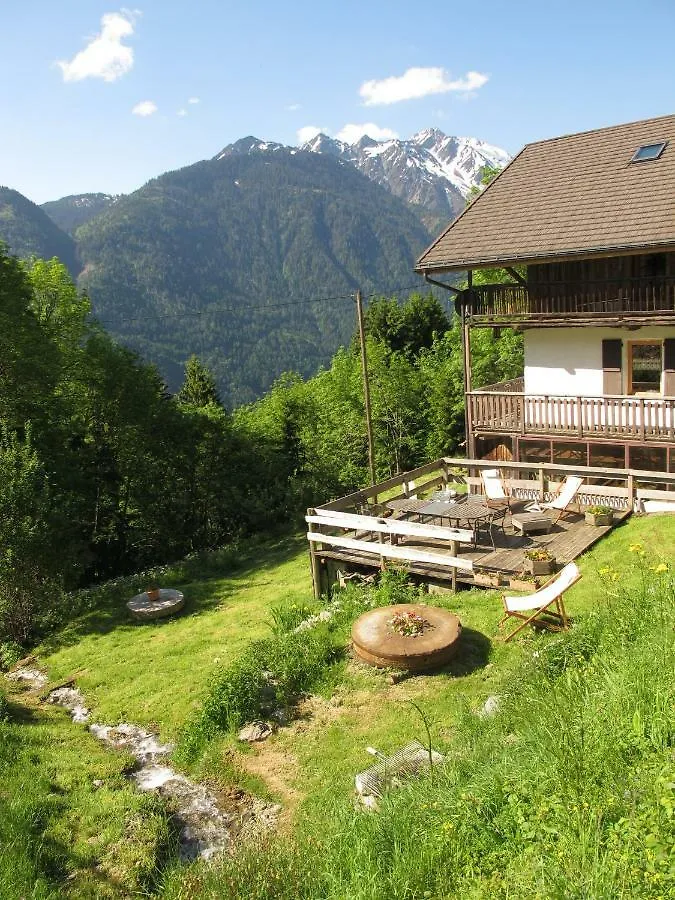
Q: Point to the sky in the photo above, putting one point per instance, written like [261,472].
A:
[99,97]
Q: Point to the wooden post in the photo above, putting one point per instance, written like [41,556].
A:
[315,565]
[366,387]
[454,550]
[466,366]
[631,492]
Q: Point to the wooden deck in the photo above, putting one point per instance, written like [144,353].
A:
[377,525]
[567,540]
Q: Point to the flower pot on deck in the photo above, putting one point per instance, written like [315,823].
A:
[539,566]
[487,579]
[598,518]
[520,584]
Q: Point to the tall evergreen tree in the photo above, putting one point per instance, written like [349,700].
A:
[199,387]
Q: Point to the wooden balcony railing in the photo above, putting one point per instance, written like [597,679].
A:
[629,418]
[625,298]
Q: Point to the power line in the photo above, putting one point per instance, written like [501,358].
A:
[290,303]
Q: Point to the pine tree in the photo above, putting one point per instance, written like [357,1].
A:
[199,386]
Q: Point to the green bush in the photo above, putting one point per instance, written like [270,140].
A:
[274,673]
[10,654]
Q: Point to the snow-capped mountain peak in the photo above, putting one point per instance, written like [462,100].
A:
[430,169]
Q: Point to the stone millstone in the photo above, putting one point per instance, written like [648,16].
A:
[169,602]
[376,643]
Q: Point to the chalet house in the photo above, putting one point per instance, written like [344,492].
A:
[583,229]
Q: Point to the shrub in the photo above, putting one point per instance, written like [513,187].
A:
[10,654]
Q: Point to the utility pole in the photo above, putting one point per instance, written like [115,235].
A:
[366,387]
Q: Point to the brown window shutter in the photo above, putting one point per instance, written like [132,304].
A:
[669,367]
[611,366]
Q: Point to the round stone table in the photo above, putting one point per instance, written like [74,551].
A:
[169,602]
[376,643]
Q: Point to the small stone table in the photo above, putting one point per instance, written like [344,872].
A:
[169,602]
[376,643]
[530,522]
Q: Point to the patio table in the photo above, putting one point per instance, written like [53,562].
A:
[469,511]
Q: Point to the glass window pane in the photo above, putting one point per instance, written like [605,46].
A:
[535,451]
[649,459]
[646,365]
[611,456]
[569,454]
[649,151]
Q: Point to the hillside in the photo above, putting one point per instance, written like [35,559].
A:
[28,231]
[77,209]
[431,171]
[221,258]
[525,805]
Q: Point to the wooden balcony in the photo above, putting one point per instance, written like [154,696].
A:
[563,303]
[505,409]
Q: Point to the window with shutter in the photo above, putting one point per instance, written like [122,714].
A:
[669,367]
[611,367]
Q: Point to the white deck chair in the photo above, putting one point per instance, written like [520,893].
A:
[563,498]
[536,608]
[496,495]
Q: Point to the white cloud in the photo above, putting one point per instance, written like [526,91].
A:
[350,134]
[105,56]
[307,132]
[418,82]
[145,108]
[182,112]
[294,107]
[194,100]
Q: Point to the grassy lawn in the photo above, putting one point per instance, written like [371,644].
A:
[318,756]
[157,674]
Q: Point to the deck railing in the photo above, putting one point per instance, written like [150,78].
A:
[360,524]
[648,297]
[631,418]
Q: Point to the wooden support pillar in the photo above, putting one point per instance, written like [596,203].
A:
[315,565]
[366,388]
[466,366]
[454,550]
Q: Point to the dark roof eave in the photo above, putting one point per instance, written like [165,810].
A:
[500,262]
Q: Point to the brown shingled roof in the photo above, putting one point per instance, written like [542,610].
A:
[570,196]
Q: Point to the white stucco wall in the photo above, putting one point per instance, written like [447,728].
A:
[568,361]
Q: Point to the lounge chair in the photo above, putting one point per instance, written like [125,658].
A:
[494,488]
[536,608]
[562,499]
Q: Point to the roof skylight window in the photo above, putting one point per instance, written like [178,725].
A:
[649,151]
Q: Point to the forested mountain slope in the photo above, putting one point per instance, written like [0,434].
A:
[77,209]
[221,257]
[28,231]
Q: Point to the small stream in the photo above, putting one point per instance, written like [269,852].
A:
[208,822]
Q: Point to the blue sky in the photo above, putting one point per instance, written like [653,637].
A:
[98,97]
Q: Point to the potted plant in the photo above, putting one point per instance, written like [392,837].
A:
[523,581]
[538,561]
[487,579]
[152,590]
[599,515]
